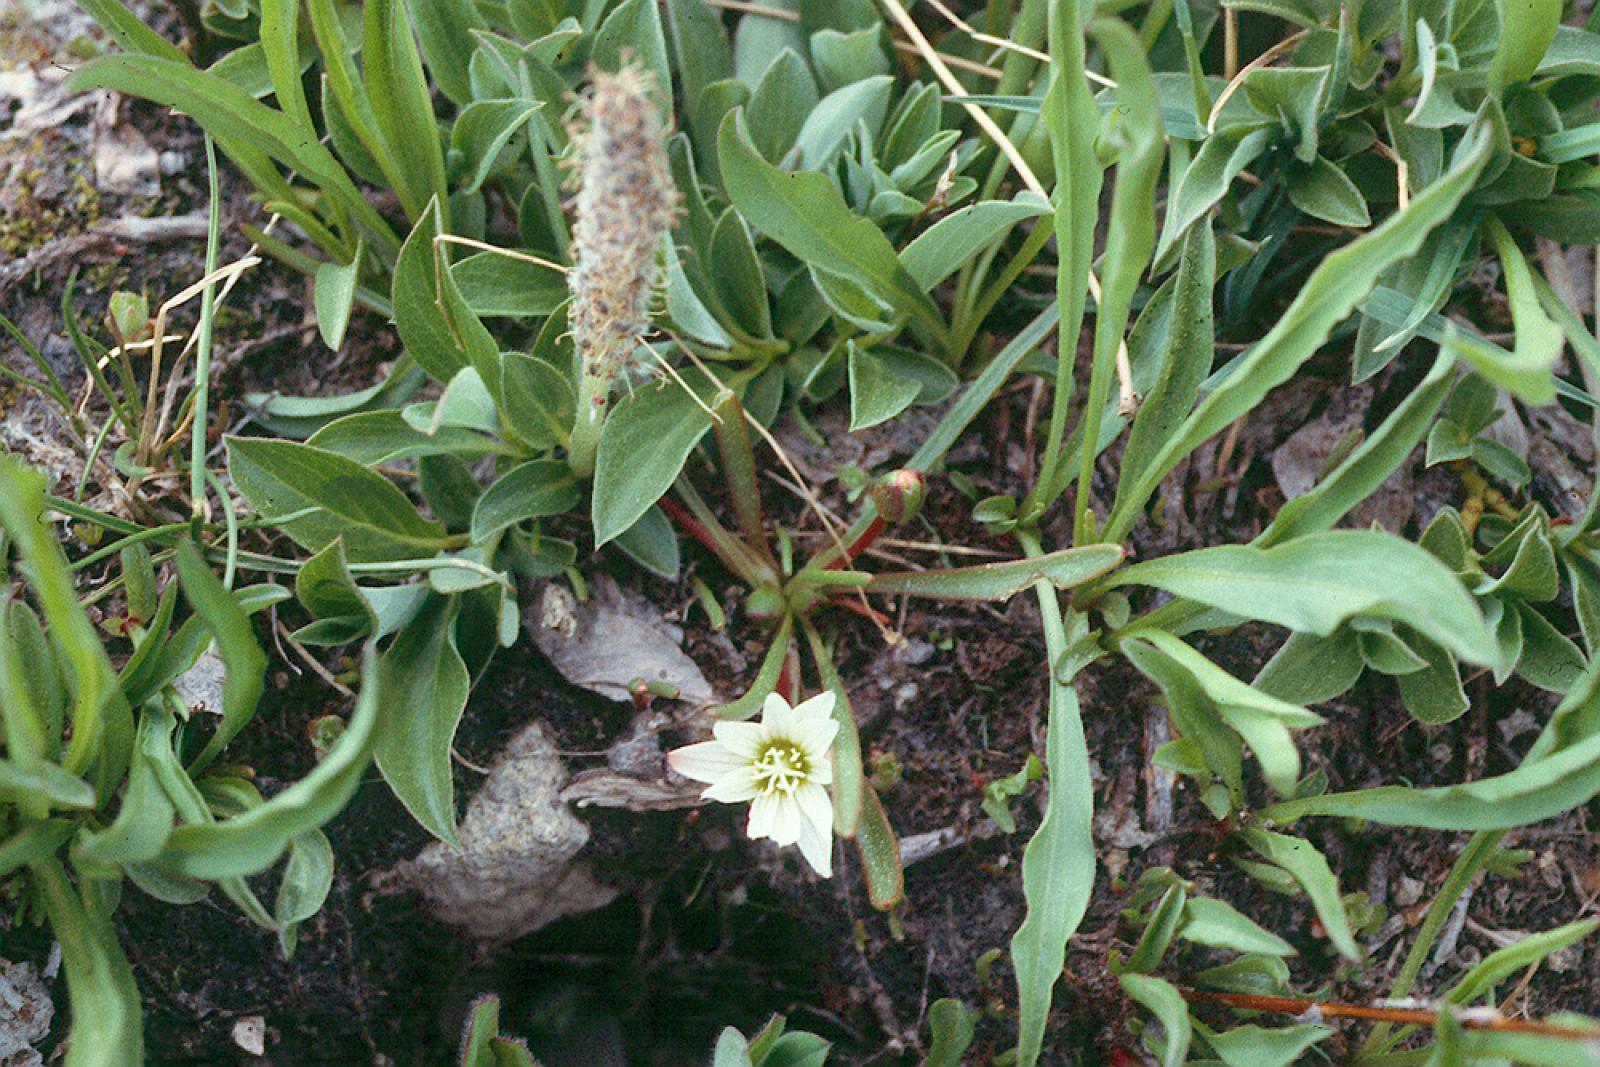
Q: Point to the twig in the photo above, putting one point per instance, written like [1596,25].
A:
[1255,64]
[1479,1018]
[1000,42]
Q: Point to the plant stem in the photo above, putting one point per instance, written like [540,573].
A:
[202,359]
[1467,865]
[739,468]
[968,324]
[734,553]
[594,393]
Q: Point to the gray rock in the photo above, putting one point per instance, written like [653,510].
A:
[518,866]
[25,1014]
[613,639]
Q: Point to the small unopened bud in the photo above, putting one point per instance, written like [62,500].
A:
[626,202]
[898,495]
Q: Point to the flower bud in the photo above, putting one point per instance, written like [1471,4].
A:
[898,495]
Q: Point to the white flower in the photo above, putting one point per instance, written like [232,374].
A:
[781,766]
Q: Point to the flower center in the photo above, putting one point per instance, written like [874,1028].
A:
[781,767]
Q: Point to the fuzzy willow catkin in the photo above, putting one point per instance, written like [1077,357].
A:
[626,203]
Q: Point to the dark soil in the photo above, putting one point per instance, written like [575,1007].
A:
[713,930]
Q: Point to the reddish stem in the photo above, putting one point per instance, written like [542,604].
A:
[691,526]
[1400,1016]
[851,603]
[873,531]
[788,685]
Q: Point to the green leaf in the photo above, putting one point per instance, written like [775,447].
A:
[1311,870]
[952,242]
[1262,721]
[1325,192]
[645,443]
[235,119]
[700,46]
[1253,1046]
[1162,999]
[445,28]
[249,843]
[1058,863]
[324,586]
[375,519]
[651,544]
[529,491]
[437,327]
[779,104]
[835,117]
[143,823]
[805,214]
[740,287]
[731,1050]
[1001,581]
[280,46]
[1159,929]
[1218,924]
[243,660]
[1538,789]
[131,35]
[537,401]
[1360,473]
[1316,582]
[1539,340]
[493,284]
[397,92]
[1222,157]
[107,1024]
[306,881]
[880,854]
[632,34]
[374,437]
[425,685]
[1183,339]
[1514,958]
[102,724]
[846,58]
[333,296]
[481,133]
[1526,29]
[951,1026]
[48,781]
[301,416]
[850,788]
[878,390]
[1327,298]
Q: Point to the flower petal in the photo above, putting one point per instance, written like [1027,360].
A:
[707,761]
[763,816]
[743,738]
[816,840]
[815,807]
[786,821]
[816,736]
[735,787]
[776,716]
[819,708]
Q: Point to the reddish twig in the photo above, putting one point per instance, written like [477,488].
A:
[1471,1019]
